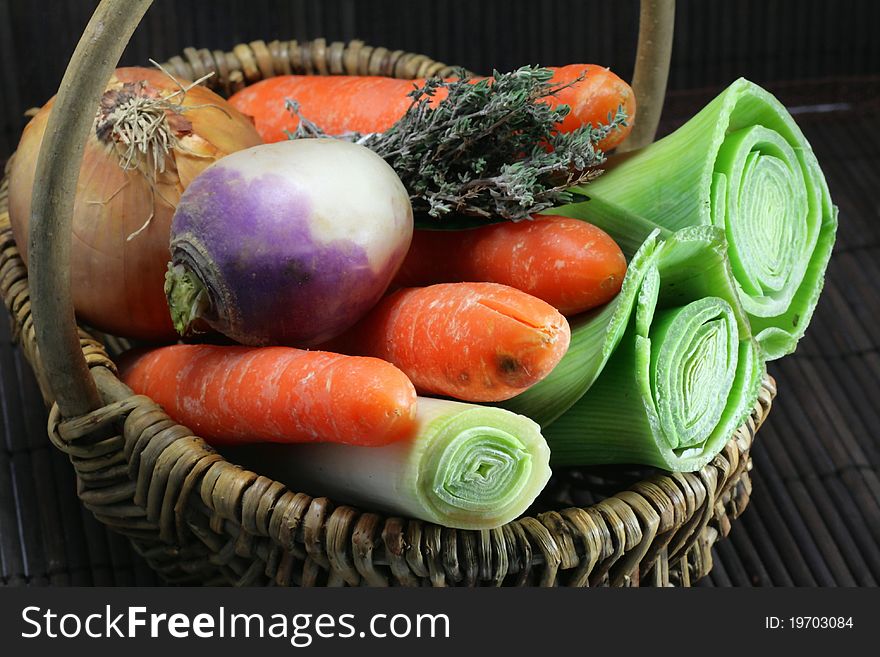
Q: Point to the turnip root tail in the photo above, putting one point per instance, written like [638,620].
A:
[187,297]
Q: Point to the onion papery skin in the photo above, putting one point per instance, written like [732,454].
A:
[117,283]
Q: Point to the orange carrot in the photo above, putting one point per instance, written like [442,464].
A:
[593,99]
[570,264]
[339,103]
[471,341]
[236,394]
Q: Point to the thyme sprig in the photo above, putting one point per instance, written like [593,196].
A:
[489,149]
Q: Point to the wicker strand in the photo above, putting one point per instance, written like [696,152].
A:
[248,63]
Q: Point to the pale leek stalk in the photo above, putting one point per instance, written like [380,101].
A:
[741,164]
[662,376]
[466,466]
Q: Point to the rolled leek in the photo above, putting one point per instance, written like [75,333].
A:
[743,165]
[666,375]
[466,466]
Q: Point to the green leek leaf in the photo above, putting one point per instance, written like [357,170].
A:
[743,165]
[664,375]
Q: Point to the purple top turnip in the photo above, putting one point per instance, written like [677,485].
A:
[287,243]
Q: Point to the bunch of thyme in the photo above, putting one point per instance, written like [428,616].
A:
[490,149]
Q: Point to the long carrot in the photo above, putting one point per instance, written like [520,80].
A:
[570,264]
[471,341]
[365,104]
[275,394]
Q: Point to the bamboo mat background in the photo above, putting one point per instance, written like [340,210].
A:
[814,518]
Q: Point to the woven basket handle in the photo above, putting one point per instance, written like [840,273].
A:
[61,154]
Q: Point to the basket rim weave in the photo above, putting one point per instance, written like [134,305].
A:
[200,519]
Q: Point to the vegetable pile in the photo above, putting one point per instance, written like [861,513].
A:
[432,289]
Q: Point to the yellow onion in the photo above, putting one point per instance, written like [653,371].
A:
[152,135]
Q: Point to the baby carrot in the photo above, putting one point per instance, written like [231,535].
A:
[570,264]
[234,394]
[471,341]
[340,103]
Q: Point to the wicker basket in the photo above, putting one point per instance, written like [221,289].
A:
[197,518]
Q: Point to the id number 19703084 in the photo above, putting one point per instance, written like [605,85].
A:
[808,623]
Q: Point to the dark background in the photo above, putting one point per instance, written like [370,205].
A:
[715,40]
